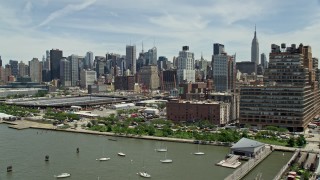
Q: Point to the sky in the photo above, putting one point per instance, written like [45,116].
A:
[29,28]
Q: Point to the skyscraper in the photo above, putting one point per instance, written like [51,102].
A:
[0,62]
[88,62]
[14,68]
[64,73]
[264,61]
[255,49]
[22,69]
[223,70]
[185,69]
[74,65]
[218,48]
[55,57]
[151,56]
[131,58]
[35,70]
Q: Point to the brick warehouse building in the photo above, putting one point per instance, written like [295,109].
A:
[216,113]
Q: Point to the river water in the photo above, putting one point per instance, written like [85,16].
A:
[26,149]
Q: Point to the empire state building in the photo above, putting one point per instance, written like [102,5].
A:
[255,49]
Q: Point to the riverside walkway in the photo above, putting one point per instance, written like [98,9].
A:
[249,165]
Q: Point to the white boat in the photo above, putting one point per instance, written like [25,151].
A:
[121,154]
[198,152]
[165,160]
[162,149]
[103,159]
[144,174]
[62,175]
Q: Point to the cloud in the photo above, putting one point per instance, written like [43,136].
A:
[66,10]
[28,7]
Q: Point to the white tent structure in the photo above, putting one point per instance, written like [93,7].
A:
[247,147]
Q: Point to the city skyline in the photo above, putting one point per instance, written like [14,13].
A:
[98,26]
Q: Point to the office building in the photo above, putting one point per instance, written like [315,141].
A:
[100,62]
[23,71]
[14,68]
[0,62]
[185,68]
[151,56]
[74,65]
[35,70]
[264,61]
[289,97]
[55,57]
[131,58]
[246,67]
[223,69]
[65,73]
[168,80]
[149,77]
[255,49]
[87,77]
[218,49]
[88,62]
[124,83]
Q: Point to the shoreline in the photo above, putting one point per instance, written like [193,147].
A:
[25,124]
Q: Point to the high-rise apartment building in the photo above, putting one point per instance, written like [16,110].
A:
[131,58]
[55,57]
[255,49]
[65,73]
[35,70]
[289,97]
[185,68]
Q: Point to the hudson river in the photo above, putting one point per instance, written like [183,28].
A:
[25,150]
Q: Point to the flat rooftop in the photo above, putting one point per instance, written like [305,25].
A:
[65,101]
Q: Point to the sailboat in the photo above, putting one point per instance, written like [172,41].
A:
[143,173]
[103,158]
[165,160]
[198,152]
[62,175]
[162,149]
[121,154]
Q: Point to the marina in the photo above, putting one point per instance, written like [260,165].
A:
[62,146]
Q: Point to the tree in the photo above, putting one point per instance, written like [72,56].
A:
[301,140]
[291,142]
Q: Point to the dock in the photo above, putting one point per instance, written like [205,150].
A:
[249,165]
[231,162]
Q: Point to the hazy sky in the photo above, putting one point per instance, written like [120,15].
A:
[29,28]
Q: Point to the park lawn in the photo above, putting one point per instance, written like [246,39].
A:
[274,142]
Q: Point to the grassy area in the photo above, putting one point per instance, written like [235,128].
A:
[273,142]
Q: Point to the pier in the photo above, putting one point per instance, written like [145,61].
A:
[249,165]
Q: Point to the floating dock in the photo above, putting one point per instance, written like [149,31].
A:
[231,162]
